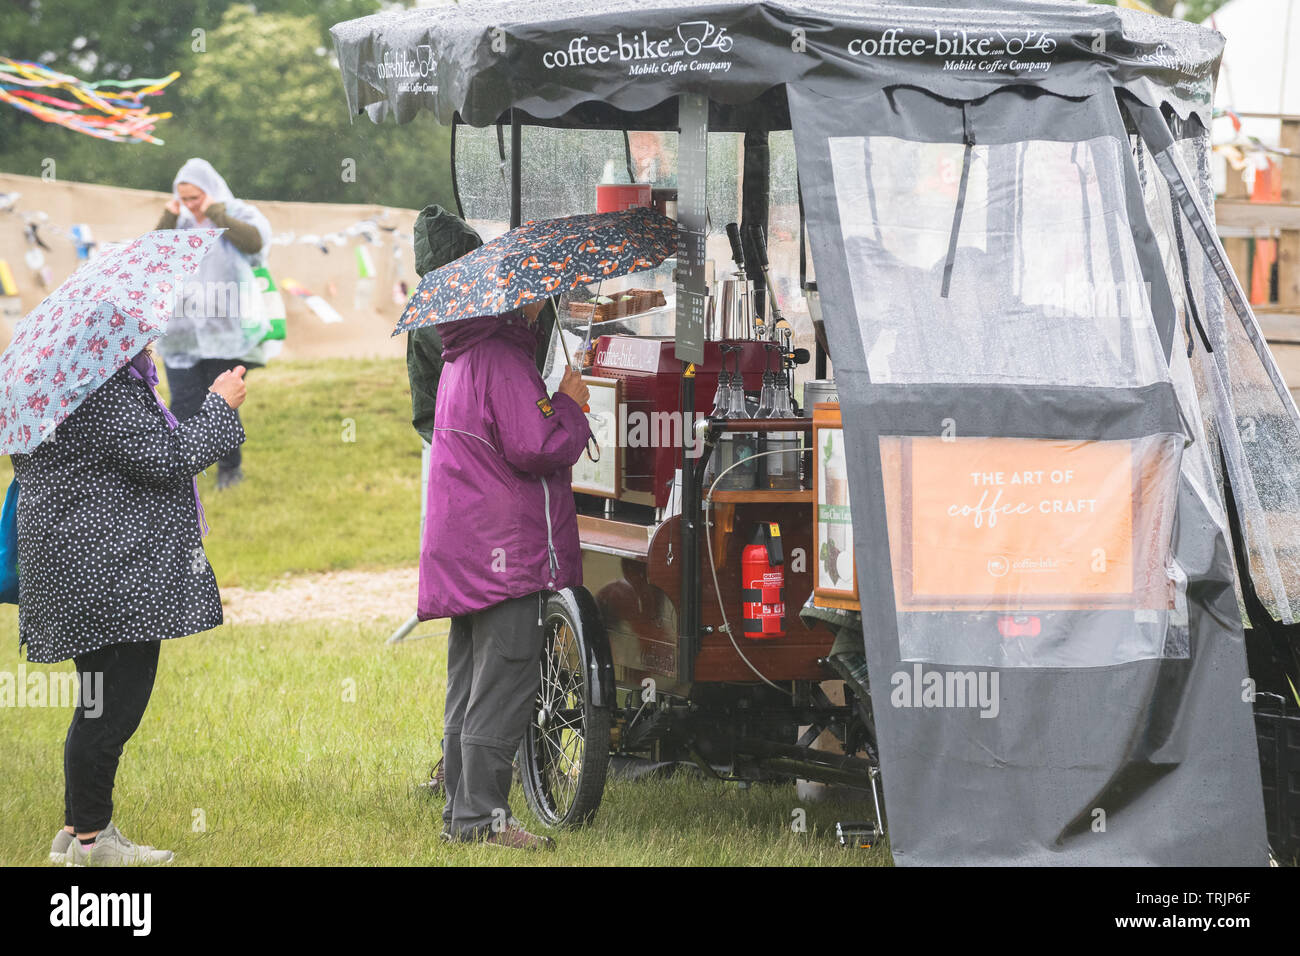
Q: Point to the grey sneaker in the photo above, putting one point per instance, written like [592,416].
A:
[61,846]
[111,848]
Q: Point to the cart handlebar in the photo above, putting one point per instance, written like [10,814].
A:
[762,425]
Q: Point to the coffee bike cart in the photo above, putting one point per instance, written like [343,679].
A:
[650,658]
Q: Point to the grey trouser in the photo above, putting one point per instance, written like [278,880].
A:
[493,675]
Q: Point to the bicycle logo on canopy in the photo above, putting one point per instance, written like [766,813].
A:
[698,35]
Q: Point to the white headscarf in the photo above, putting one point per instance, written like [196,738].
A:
[199,172]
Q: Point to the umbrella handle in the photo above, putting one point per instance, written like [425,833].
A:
[563,344]
[568,358]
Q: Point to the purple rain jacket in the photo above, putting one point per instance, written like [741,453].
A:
[500,521]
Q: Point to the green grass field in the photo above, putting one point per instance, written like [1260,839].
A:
[333,475]
[304,743]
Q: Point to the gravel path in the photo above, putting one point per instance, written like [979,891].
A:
[351,595]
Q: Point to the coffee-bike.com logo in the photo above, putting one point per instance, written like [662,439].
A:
[895,42]
[409,67]
[646,52]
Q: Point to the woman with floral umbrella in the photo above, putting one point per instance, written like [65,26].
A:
[110,554]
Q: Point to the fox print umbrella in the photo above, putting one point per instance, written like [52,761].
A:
[538,260]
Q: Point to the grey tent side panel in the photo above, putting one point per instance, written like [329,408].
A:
[1145,761]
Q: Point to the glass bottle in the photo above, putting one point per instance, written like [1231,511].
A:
[783,469]
[721,399]
[764,410]
[722,396]
[767,397]
[737,448]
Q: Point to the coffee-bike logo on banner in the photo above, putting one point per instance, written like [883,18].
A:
[411,68]
[962,50]
[695,46]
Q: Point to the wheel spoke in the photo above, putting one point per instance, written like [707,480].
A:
[560,780]
[573,749]
[555,775]
[569,724]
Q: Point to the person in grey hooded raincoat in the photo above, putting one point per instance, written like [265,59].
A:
[219,322]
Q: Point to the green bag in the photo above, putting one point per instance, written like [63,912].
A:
[272,304]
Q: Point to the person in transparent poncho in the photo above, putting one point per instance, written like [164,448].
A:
[219,322]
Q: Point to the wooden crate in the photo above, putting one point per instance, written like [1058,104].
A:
[1239,218]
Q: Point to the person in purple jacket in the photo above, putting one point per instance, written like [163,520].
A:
[500,532]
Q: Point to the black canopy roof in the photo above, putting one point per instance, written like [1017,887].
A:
[621,63]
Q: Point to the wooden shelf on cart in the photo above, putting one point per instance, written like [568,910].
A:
[621,537]
[803,496]
[793,657]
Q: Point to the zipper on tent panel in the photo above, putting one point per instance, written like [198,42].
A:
[969,137]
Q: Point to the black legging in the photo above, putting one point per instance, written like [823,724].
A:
[189,387]
[119,679]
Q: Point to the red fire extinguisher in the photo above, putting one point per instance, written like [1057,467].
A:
[762,574]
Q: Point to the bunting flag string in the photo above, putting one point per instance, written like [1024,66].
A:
[37,226]
[39,231]
[1243,149]
[323,310]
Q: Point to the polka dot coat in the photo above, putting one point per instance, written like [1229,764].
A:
[109,550]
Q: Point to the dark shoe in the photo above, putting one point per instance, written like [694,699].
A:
[226,477]
[437,782]
[515,837]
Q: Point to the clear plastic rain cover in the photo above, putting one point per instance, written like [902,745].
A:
[1249,414]
[1042,243]
[1013,551]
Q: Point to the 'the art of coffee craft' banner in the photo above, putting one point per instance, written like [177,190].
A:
[1010,523]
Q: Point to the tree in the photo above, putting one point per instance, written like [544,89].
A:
[263,102]
[276,85]
[1198,11]
[1194,10]
[97,40]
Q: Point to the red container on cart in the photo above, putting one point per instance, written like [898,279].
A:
[762,584]
[613,197]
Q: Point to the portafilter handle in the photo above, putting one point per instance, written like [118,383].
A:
[733,236]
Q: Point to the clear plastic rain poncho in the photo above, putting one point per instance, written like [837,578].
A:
[219,313]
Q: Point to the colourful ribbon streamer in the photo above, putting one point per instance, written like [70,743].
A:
[107,109]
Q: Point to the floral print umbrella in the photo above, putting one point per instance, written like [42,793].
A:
[89,327]
[538,260]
